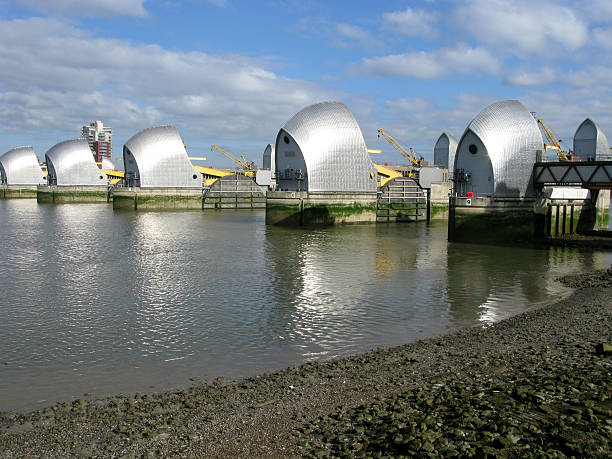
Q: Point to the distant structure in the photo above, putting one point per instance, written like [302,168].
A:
[590,142]
[269,158]
[156,157]
[70,163]
[322,149]
[444,151]
[497,151]
[20,166]
[100,139]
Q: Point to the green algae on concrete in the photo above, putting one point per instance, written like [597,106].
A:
[492,227]
[509,220]
[168,202]
[157,198]
[602,219]
[319,209]
[283,214]
[333,214]
[401,212]
[18,191]
[71,194]
[80,196]
[492,220]
[438,211]
[44,196]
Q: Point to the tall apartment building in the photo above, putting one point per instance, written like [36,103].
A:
[100,139]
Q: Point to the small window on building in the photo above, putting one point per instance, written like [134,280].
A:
[473,149]
[286,139]
[195,176]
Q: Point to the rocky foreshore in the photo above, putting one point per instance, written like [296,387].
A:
[537,384]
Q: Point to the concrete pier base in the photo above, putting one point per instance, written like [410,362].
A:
[492,220]
[18,191]
[438,200]
[157,198]
[58,194]
[302,208]
[512,220]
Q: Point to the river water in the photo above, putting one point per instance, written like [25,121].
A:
[95,301]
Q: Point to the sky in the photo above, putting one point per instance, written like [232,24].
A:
[232,72]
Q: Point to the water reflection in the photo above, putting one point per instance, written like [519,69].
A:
[343,290]
[488,284]
[100,301]
[321,286]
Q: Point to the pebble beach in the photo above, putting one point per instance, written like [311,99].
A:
[539,383]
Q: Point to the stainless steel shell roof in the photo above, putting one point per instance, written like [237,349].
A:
[71,162]
[511,137]
[602,146]
[161,158]
[444,151]
[20,166]
[333,148]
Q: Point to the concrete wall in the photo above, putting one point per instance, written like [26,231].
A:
[438,200]
[157,198]
[18,191]
[602,218]
[509,220]
[491,220]
[58,194]
[319,209]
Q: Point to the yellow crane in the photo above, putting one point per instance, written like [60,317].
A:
[248,167]
[554,143]
[411,157]
[414,156]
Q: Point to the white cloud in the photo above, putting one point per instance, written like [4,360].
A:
[564,110]
[527,77]
[412,22]
[428,65]
[523,27]
[337,34]
[598,76]
[599,11]
[603,37]
[56,76]
[419,121]
[81,8]
[350,31]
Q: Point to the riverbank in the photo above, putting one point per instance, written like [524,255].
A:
[532,383]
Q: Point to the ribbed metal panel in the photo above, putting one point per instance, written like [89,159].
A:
[332,146]
[20,167]
[511,137]
[269,158]
[444,151]
[597,145]
[157,158]
[71,162]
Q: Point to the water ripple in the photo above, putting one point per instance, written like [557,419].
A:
[100,302]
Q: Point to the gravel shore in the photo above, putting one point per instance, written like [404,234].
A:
[536,384]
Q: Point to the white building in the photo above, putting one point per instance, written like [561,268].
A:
[100,139]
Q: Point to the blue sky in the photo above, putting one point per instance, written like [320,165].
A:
[233,72]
